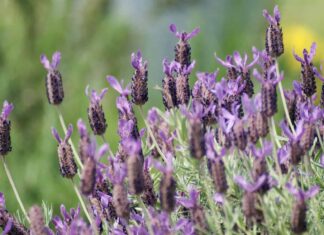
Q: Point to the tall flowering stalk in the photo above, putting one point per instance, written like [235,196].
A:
[139,90]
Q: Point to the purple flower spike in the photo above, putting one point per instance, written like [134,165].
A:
[301,195]
[56,59]
[250,187]
[275,19]
[183,36]
[117,86]
[6,110]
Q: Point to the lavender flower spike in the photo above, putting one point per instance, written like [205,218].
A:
[298,216]
[139,90]
[68,167]
[169,84]
[183,49]
[96,114]
[54,83]
[274,39]
[5,127]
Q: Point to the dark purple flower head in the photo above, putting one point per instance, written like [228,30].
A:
[170,67]
[94,97]
[183,36]
[6,110]
[301,195]
[298,132]
[211,152]
[137,61]
[82,128]
[119,171]
[271,76]
[266,150]
[275,19]
[251,105]
[168,168]
[118,86]
[56,59]
[238,62]
[192,201]
[250,187]
[67,135]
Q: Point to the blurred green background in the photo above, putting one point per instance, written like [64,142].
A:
[96,38]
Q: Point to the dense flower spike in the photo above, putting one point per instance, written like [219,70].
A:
[268,91]
[183,91]
[37,221]
[134,165]
[148,196]
[96,114]
[237,66]
[139,88]
[196,211]
[294,146]
[308,71]
[250,201]
[169,84]
[5,126]
[68,167]
[274,39]
[216,165]
[53,82]
[298,215]
[167,185]
[182,49]
[8,223]
[196,129]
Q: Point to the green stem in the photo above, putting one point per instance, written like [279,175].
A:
[13,186]
[70,140]
[274,131]
[82,202]
[273,137]
[284,100]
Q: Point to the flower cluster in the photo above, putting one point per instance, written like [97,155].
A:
[214,137]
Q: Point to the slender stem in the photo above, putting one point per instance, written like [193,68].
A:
[13,186]
[274,150]
[320,138]
[284,100]
[274,131]
[82,202]
[70,140]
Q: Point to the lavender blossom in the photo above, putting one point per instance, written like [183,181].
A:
[139,89]
[167,185]
[182,49]
[54,83]
[148,196]
[295,149]
[64,225]
[169,84]
[183,91]
[298,215]
[268,91]
[237,66]
[196,211]
[274,39]
[84,141]
[251,201]
[37,221]
[96,114]
[5,127]
[68,167]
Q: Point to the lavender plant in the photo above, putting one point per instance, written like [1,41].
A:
[214,138]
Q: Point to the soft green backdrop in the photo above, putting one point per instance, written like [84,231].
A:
[96,38]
